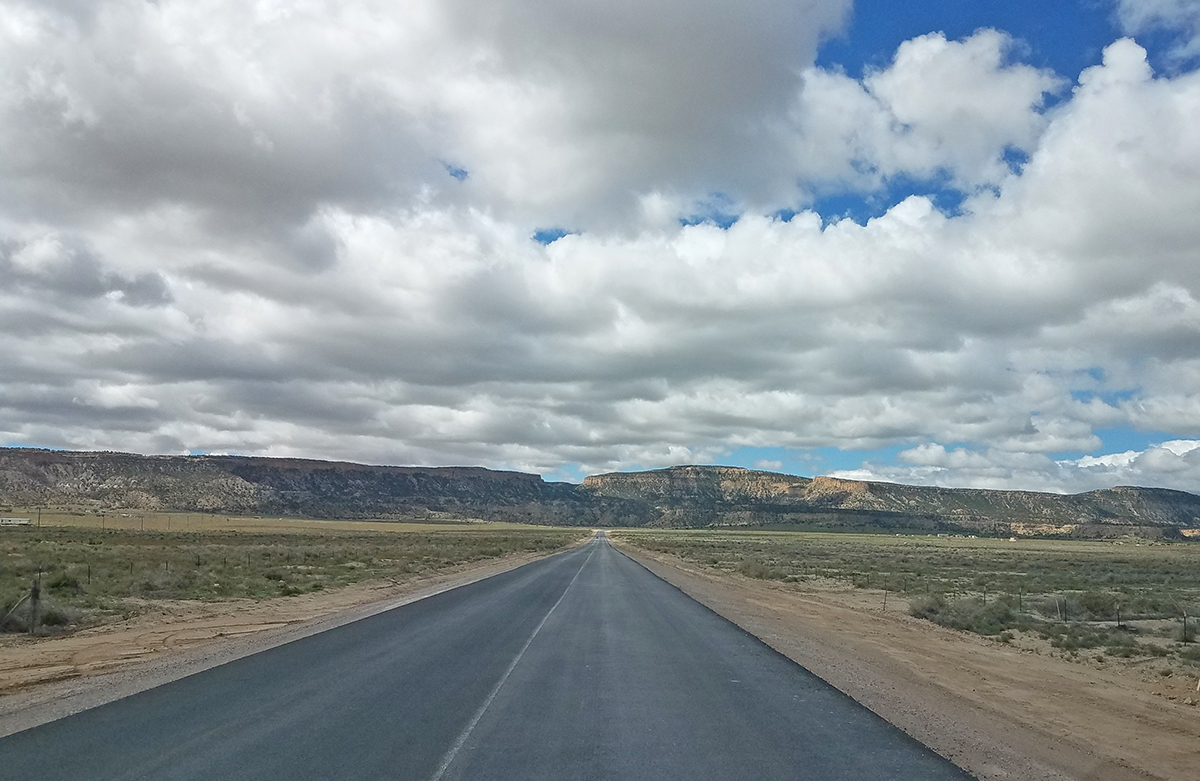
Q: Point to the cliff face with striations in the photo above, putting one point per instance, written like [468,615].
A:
[692,496]
[697,495]
[318,489]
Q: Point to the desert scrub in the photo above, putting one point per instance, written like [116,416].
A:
[1072,592]
[1189,653]
[89,576]
[1074,636]
[970,615]
[754,568]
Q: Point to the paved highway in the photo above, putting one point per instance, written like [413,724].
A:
[580,666]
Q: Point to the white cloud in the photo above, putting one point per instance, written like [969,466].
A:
[557,112]
[1172,464]
[230,227]
[1180,16]
[940,106]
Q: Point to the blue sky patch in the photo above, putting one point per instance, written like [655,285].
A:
[1066,36]
[32,445]
[549,235]
[862,207]
[1113,398]
[1118,440]
[717,209]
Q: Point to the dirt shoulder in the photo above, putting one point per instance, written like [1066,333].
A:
[999,711]
[42,679]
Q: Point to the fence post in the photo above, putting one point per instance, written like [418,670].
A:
[35,603]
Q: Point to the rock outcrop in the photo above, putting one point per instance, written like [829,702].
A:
[726,496]
[298,487]
[689,496]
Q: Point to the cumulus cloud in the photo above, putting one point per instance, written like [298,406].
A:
[550,111]
[1171,464]
[942,108]
[306,230]
[1182,17]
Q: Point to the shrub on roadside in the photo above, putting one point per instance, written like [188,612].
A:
[753,568]
[1074,636]
[57,617]
[970,615]
[1098,605]
[62,582]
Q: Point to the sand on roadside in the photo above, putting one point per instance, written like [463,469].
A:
[1000,712]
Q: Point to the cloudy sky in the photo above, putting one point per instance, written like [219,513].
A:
[938,242]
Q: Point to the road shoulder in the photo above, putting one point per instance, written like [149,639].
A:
[998,713]
[49,678]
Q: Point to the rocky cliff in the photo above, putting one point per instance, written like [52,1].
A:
[692,496]
[317,489]
[721,496]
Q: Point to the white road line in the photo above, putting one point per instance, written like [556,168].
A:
[466,733]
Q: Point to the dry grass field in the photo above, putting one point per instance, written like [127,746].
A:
[94,569]
[137,520]
[1126,598]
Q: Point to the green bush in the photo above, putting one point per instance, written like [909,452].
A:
[64,582]
[753,568]
[16,622]
[55,616]
[1098,605]
[1074,635]
[971,615]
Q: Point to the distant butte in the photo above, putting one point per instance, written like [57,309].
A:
[682,496]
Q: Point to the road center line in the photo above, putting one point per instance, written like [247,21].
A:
[466,733]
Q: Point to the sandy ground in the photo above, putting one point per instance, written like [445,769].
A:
[42,679]
[999,711]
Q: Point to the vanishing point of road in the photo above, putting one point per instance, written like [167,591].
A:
[583,665]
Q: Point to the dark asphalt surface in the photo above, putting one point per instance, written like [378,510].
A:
[580,666]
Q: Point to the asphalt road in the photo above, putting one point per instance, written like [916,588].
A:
[580,666]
